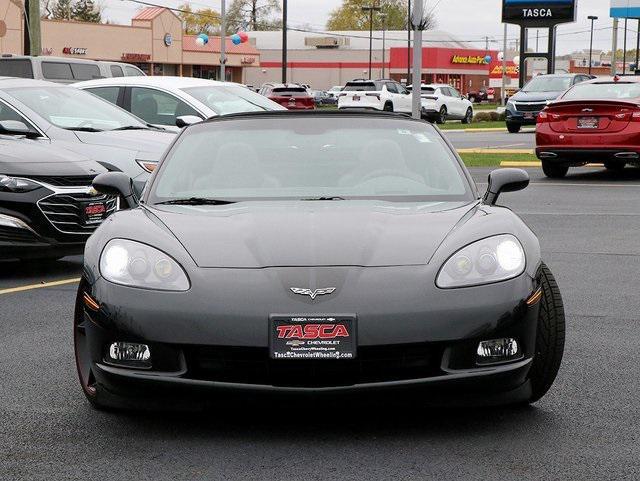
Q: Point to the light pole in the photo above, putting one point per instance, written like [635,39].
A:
[593,18]
[284,41]
[370,9]
[409,44]
[223,41]
[383,16]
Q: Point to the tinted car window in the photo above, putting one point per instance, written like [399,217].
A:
[110,94]
[291,158]
[157,107]
[16,68]
[391,87]
[57,71]
[290,91]
[360,87]
[82,71]
[428,90]
[116,71]
[132,72]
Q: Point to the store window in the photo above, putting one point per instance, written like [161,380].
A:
[157,107]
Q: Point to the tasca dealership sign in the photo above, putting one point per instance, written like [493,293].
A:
[541,13]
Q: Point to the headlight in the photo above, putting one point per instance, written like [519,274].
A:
[488,260]
[138,265]
[511,104]
[16,184]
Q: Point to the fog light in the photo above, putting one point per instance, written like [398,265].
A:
[498,350]
[130,353]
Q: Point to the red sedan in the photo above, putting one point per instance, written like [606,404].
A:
[592,122]
[291,96]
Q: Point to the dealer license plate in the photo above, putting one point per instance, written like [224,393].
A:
[312,337]
[94,213]
[588,123]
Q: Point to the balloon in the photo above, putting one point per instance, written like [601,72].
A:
[500,56]
[487,59]
[235,38]
[516,59]
[200,41]
[204,37]
[243,36]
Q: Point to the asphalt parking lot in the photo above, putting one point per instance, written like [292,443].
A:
[585,428]
[472,139]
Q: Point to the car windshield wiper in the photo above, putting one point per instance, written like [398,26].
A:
[134,127]
[196,201]
[332,197]
[84,129]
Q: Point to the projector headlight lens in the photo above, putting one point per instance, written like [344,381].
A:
[134,264]
[493,259]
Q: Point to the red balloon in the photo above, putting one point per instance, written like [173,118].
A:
[243,36]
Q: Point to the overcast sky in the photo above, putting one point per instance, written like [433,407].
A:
[469,20]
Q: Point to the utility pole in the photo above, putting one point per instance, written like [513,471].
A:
[416,91]
[223,41]
[370,9]
[614,46]
[624,49]
[503,94]
[638,48]
[383,16]
[537,38]
[409,44]
[284,41]
[486,42]
[32,27]
[593,18]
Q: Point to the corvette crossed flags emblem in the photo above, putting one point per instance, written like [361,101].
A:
[312,293]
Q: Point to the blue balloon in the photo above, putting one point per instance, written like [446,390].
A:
[487,59]
[235,38]
[204,37]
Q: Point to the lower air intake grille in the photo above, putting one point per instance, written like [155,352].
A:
[373,364]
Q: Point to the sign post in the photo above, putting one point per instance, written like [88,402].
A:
[538,14]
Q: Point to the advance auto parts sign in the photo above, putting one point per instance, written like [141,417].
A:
[541,13]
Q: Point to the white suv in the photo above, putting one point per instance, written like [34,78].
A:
[442,102]
[387,95]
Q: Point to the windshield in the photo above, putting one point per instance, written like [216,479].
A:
[605,91]
[231,99]
[547,84]
[74,109]
[295,157]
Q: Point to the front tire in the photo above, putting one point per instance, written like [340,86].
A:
[550,336]
[388,107]
[513,128]
[554,171]
[442,115]
[468,117]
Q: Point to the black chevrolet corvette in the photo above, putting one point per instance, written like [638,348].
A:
[315,252]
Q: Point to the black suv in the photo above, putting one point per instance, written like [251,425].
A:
[523,107]
[47,206]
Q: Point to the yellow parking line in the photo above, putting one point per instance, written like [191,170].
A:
[12,290]
[495,151]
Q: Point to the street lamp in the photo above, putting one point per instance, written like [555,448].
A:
[593,18]
[370,9]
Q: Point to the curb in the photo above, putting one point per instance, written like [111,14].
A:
[509,163]
[496,151]
[488,129]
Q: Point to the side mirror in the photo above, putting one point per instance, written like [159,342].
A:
[504,180]
[16,127]
[116,183]
[186,120]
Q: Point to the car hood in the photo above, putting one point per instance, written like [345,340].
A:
[535,96]
[144,141]
[333,233]
[24,157]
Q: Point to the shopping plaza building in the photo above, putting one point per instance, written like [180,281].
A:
[155,42]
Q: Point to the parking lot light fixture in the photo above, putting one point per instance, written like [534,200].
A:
[593,18]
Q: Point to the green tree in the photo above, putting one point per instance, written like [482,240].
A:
[254,15]
[60,10]
[86,11]
[350,16]
[205,20]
